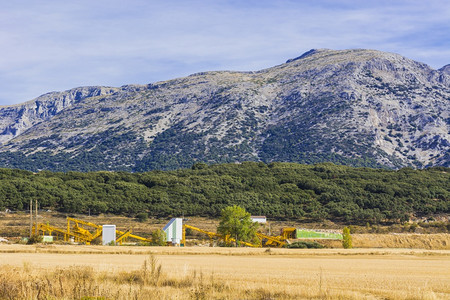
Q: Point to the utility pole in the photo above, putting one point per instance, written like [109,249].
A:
[36,225]
[31,217]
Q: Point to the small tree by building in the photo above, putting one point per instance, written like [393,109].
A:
[346,238]
[159,238]
[35,239]
[236,222]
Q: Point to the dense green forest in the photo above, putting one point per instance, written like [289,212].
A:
[277,190]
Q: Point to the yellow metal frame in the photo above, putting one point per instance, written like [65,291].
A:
[80,233]
[265,240]
[288,233]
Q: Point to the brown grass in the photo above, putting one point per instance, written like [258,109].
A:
[212,273]
[416,241]
[437,241]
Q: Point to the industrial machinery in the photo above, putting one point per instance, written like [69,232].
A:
[288,233]
[271,241]
[265,240]
[83,231]
[225,238]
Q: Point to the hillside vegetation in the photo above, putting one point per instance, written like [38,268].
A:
[277,190]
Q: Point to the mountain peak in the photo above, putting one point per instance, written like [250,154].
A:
[307,53]
[445,69]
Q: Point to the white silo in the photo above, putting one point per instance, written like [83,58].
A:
[174,230]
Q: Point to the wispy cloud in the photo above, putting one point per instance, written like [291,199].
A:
[56,45]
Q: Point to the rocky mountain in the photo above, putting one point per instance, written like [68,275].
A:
[18,118]
[445,69]
[355,107]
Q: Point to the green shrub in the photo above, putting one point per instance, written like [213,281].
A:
[142,217]
[304,245]
[159,238]
[34,239]
[346,238]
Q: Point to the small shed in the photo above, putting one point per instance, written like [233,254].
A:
[108,234]
[259,219]
[174,230]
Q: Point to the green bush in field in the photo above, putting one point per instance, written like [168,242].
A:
[304,245]
[34,239]
[346,238]
[159,238]
[142,217]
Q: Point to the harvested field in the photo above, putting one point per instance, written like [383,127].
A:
[222,273]
[437,241]
[416,241]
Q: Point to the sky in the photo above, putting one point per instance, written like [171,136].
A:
[54,45]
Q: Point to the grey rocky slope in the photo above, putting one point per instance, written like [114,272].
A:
[356,107]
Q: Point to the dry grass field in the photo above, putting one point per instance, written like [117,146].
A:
[437,241]
[126,272]
[383,266]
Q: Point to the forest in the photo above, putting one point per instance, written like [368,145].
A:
[282,191]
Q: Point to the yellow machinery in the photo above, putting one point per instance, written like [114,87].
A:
[86,232]
[271,241]
[124,235]
[288,233]
[66,235]
[227,239]
[78,229]
[208,233]
[265,240]
[79,233]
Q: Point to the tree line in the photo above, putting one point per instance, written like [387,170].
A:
[278,190]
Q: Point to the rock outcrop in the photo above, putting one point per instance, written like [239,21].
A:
[18,118]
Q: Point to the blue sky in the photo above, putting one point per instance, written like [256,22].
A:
[56,45]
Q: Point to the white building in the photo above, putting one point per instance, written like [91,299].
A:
[108,234]
[174,230]
[259,219]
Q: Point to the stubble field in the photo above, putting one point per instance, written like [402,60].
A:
[74,272]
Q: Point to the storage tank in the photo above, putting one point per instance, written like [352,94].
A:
[108,234]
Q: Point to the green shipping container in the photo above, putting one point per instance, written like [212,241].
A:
[47,239]
[309,234]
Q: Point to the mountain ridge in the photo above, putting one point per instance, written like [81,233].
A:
[358,107]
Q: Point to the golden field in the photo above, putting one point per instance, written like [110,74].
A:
[382,266]
[436,241]
[130,272]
